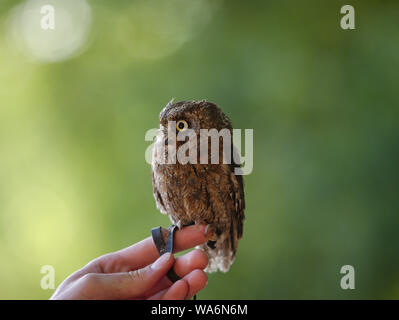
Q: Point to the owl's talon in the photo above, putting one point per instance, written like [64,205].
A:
[210,233]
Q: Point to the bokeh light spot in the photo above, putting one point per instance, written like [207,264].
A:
[72,21]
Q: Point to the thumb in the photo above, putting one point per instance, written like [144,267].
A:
[133,284]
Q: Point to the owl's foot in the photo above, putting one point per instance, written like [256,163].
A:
[210,233]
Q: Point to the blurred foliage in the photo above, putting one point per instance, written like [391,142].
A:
[323,103]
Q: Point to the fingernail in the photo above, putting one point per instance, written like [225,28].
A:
[161,261]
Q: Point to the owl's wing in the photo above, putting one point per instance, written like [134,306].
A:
[237,196]
[239,201]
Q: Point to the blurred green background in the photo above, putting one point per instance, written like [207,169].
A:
[323,103]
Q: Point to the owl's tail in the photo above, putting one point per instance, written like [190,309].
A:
[220,257]
[221,253]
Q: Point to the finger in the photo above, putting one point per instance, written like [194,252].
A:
[144,252]
[178,291]
[189,237]
[196,259]
[197,280]
[133,284]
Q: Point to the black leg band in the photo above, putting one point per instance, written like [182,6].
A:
[164,247]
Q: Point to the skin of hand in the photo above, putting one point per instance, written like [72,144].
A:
[137,272]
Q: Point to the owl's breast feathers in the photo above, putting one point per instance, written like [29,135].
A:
[210,194]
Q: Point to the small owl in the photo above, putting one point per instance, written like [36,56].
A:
[207,193]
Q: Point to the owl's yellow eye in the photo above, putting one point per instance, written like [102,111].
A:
[181,125]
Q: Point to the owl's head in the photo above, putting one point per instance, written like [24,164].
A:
[194,115]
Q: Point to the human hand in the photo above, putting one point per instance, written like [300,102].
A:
[137,272]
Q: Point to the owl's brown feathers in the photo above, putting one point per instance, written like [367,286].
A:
[201,193]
